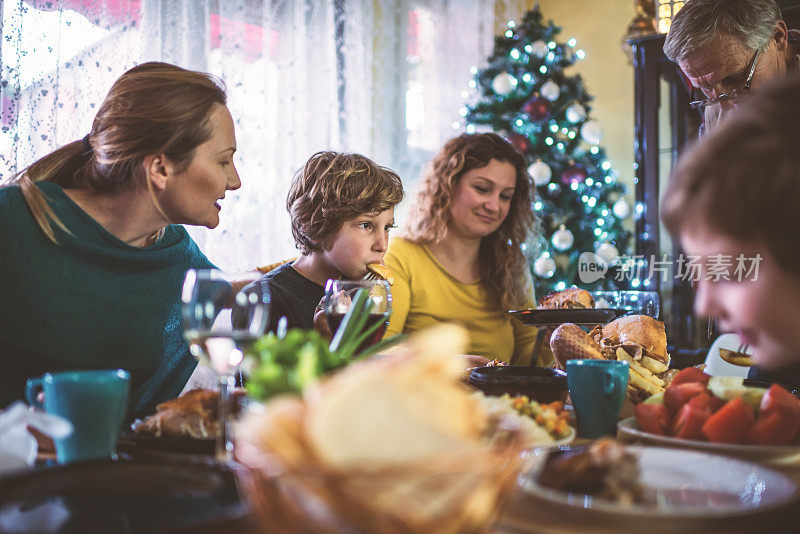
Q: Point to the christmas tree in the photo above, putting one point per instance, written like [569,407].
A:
[525,95]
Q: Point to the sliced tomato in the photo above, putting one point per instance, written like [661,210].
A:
[778,399]
[716,402]
[677,395]
[776,428]
[703,401]
[690,374]
[653,418]
[731,423]
[689,421]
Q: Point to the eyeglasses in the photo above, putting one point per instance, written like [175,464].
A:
[730,95]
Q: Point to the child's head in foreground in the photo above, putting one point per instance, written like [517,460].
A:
[342,207]
[737,193]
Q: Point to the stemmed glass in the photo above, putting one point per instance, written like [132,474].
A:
[221,339]
[636,302]
[339,295]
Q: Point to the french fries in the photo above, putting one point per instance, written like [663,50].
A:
[639,368]
[654,365]
[642,383]
[640,377]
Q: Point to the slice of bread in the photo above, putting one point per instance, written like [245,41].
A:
[407,408]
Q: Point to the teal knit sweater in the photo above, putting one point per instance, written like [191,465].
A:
[91,301]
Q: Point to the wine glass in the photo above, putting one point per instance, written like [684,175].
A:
[221,336]
[635,302]
[339,295]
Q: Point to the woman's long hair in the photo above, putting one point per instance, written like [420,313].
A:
[154,108]
[503,267]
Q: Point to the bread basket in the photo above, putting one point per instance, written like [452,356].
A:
[292,491]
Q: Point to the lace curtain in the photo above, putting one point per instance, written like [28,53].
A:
[385,78]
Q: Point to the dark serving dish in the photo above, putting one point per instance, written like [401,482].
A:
[542,384]
[545,317]
[122,496]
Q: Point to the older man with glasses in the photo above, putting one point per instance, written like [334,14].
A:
[726,48]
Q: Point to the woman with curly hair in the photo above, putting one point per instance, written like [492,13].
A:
[459,258]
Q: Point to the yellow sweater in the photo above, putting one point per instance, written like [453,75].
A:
[424,293]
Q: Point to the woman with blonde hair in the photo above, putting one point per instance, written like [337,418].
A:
[460,258]
[92,251]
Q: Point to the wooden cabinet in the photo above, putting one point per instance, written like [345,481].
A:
[664,124]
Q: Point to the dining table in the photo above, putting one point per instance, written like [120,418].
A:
[524,512]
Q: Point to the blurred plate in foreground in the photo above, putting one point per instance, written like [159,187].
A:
[680,486]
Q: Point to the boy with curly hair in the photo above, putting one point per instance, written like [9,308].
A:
[342,208]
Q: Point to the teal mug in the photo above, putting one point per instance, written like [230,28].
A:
[95,402]
[597,388]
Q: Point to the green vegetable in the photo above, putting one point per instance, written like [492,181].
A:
[292,363]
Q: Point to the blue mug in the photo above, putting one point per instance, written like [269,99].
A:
[95,402]
[597,388]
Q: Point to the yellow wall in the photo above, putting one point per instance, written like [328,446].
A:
[598,26]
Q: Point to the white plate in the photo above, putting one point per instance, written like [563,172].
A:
[680,484]
[628,430]
[716,366]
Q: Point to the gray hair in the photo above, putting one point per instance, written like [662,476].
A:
[700,21]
